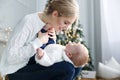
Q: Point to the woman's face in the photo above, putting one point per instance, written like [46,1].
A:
[62,23]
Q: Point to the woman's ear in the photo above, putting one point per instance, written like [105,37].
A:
[55,13]
[69,54]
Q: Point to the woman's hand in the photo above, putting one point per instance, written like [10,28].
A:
[43,37]
[39,53]
[52,34]
[51,31]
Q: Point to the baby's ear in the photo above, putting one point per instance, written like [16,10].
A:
[69,54]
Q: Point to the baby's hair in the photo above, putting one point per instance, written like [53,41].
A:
[81,57]
[65,8]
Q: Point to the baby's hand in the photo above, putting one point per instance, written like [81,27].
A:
[39,53]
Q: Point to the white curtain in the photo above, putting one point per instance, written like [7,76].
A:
[110,30]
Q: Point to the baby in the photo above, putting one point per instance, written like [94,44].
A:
[75,53]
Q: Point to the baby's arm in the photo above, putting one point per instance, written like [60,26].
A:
[42,58]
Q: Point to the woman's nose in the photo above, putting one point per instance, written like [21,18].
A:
[69,42]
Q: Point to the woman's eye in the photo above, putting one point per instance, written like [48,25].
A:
[65,22]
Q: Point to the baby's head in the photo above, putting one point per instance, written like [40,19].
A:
[78,53]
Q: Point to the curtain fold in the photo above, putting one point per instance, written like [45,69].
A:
[110,25]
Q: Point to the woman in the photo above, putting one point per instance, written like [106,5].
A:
[16,60]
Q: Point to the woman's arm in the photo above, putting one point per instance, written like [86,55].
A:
[18,49]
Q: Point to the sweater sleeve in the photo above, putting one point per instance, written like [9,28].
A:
[52,54]
[20,51]
[49,57]
[46,60]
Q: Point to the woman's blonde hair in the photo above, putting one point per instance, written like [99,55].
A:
[66,8]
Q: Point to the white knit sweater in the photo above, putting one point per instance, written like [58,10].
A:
[22,44]
[53,53]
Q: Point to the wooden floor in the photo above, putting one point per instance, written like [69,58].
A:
[100,79]
[5,78]
[81,79]
[96,79]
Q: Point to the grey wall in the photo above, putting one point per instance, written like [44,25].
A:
[41,5]
[11,12]
[87,12]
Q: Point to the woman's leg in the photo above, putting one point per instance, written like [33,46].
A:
[31,72]
[38,75]
[77,71]
[59,71]
[65,71]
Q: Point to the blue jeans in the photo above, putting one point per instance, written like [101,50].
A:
[59,71]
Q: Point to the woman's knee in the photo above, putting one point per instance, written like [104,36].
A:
[65,69]
[68,68]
